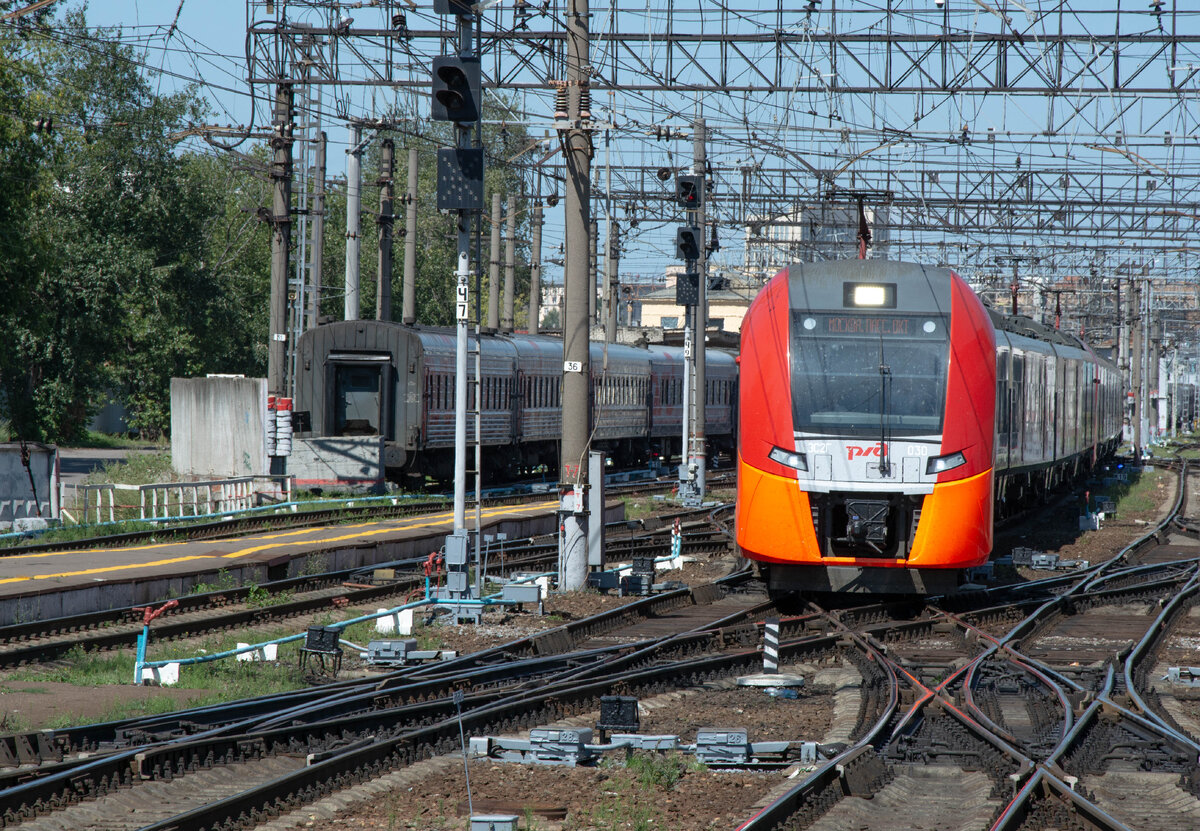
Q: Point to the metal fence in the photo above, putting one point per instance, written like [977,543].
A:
[174,500]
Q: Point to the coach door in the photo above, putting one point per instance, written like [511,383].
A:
[359,396]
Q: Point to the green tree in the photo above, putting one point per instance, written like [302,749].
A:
[125,297]
[23,138]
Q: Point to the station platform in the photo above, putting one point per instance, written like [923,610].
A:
[44,585]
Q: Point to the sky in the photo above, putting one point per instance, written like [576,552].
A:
[907,143]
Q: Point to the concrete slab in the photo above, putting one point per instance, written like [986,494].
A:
[52,584]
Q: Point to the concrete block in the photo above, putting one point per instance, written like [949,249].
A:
[165,676]
[266,652]
[399,623]
[218,426]
[25,524]
[354,463]
[17,497]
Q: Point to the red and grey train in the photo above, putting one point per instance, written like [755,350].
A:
[887,413]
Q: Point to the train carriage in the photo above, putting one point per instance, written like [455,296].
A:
[883,412]
[368,377]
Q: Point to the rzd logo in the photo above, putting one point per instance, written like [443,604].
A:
[857,451]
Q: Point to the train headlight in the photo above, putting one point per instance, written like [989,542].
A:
[789,458]
[940,464]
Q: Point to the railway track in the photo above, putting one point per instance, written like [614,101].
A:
[1019,707]
[293,517]
[241,607]
[1050,724]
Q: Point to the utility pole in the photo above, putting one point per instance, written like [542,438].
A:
[456,97]
[1155,386]
[535,269]
[1015,287]
[612,255]
[1144,357]
[1136,361]
[593,269]
[576,409]
[610,247]
[690,245]
[281,237]
[494,269]
[383,292]
[698,451]
[510,267]
[1173,388]
[353,186]
[318,235]
[408,308]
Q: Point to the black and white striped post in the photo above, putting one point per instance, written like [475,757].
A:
[771,645]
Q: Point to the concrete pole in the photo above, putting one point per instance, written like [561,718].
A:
[1156,391]
[494,267]
[1122,340]
[579,283]
[510,267]
[1144,357]
[535,270]
[408,308]
[593,269]
[1173,390]
[318,234]
[610,269]
[353,188]
[1135,351]
[281,237]
[387,220]
[699,451]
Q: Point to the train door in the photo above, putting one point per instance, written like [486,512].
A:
[359,396]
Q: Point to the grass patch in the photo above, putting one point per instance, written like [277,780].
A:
[641,507]
[1141,495]
[632,792]
[153,706]
[137,469]
[110,441]
[71,533]
[14,723]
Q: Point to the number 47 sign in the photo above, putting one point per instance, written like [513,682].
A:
[461,301]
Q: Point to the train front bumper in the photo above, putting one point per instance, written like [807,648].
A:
[775,524]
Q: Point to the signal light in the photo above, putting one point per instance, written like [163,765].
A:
[689,191]
[455,89]
[688,240]
[687,289]
[458,7]
[460,179]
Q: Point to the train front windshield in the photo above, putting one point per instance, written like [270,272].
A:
[855,375]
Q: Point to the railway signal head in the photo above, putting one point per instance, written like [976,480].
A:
[462,8]
[688,239]
[688,191]
[455,89]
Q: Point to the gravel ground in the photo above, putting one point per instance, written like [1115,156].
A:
[665,792]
